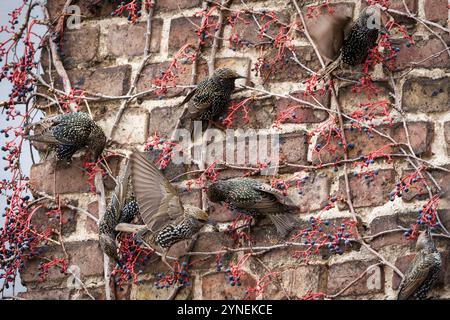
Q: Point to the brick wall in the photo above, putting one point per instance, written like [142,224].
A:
[103,57]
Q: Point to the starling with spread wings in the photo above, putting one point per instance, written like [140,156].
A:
[122,208]
[167,220]
[68,133]
[423,270]
[253,197]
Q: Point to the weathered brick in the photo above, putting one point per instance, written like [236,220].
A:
[368,192]
[87,9]
[436,11]
[312,194]
[41,221]
[215,286]
[293,148]
[158,120]
[286,69]
[398,5]
[296,112]
[45,294]
[148,291]
[113,81]
[426,95]
[69,178]
[261,115]
[132,127]
[207,242]
[350,100]
[129,39]
[328,149]
[390,222]
[340,275]
[416,55]
[183,30]
[402,263]
[83,254]
[247,31]
[170,5]
[297,282]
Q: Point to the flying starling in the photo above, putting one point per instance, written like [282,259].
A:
[122,208]
[253,197]
[361,38]
[68,133]
[167,220]
[423,270]
[211,97]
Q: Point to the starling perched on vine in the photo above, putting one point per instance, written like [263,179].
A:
[68,133]
[211,97]
[423,270]
[122,208]
[167,220]
[361,38]
[253,197]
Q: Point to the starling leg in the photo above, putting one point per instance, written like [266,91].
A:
[164,260]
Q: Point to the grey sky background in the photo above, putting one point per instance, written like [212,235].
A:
[6,6]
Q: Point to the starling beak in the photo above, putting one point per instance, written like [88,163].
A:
[122,208]
[68,133]
[166,219]
[211,97]
[254,197]
[423,271]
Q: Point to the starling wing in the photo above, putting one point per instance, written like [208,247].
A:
[415,276]
[159,202]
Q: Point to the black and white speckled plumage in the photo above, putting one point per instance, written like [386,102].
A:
[423,271]
[253,197]
[361,39]
[211,97]
[167,220]
[69,133]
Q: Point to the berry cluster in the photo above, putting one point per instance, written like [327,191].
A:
[427,216]
[179,277]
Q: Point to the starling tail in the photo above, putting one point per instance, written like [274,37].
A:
[254,197]
[423,270]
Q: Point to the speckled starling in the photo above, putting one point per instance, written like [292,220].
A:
[166,219]
[252,197]
[423,271]
[211,97]
[68,133]
[122,208]
[361,38]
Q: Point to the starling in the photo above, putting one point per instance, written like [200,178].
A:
[122,208]
[253,197]
[361,38]
[423,270]
[68,133]
[211,97]
[167,220]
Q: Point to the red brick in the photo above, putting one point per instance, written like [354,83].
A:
[313,193]
[215,286]
[183,30]
[248,31]
[390,222]
[41,221]
[351,101]
[169,5]
[129,39]
[301,113]
[437,11]
[91,225]
[87,9]
[45,294]
[367,193]
[116,78]
[207,242]
[84,254]
[261,115]
[402,263]
[286,69]
[340,275]
[420,51]
[420,135]
[426,95]
[297,282]
[293,148]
